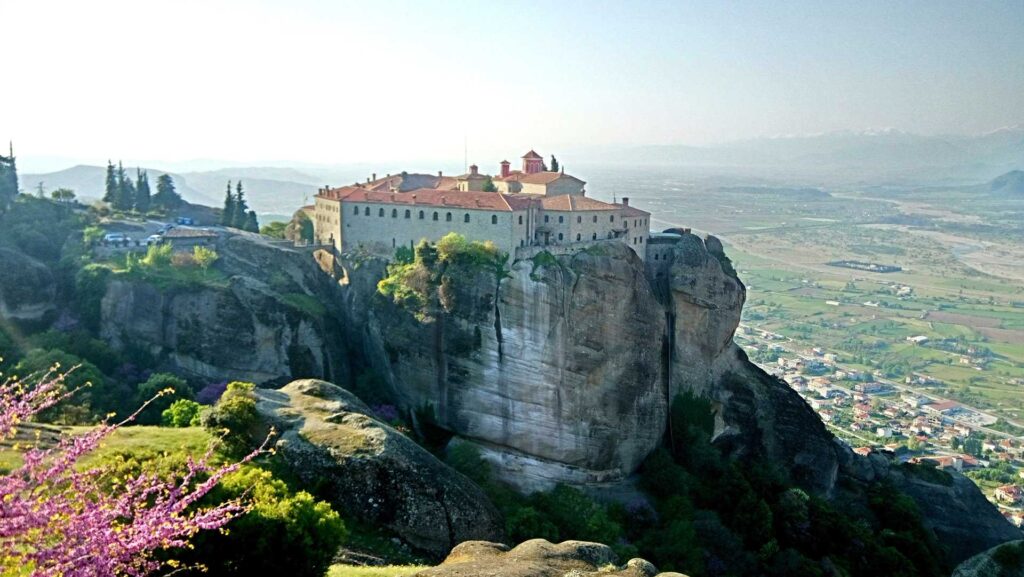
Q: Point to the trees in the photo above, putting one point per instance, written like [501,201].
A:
[241,215]
[181,413]
[235,413]
[554,163]
[227,215]
[8,180]
[142,196]
[63,195]
[59,518]
[275,229]
[111,191]
[204,257]
[166,196]
[169,387]
[252,224]
[489,185]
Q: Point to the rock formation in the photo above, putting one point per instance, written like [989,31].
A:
[27,287]
[267,325]
[539,558]
[1006,560]
[372,472]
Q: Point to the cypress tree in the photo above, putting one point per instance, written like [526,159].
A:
[112,190]
[227,216]
[142,196]
[8,179]
[166,197]
[251,223]
[554,163]
[125,199]
[241,208]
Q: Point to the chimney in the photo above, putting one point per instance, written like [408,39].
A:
[505,168]
[439,174]
[473,169]
[625,201]
[414,199]
[375,176]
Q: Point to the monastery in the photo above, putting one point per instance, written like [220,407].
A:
[522,211]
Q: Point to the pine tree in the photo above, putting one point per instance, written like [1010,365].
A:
[227,215]
[251,223]
[166,197]
[142,196]
[110,196]
[8,179]
[125,198]
[241,208]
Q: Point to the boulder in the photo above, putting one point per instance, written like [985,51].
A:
[27,287]
[370,471]
[1006,560]
[539,558]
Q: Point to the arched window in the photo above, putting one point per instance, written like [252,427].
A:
[546,218]
[655,256]
[381,213]
[559,236]
[435,215]
[408,213]
[561,219]
[366,211]
[594,237]
[494,219]
[595,218]
[355,210]
[465,218]
[578,237]
[422,214]
[579,219]
[448,217]
[611,218]
[520,219]
[394,213]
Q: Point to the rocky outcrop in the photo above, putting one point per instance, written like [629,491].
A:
[267,324]
[1006,560]
[554,369]
[371,472]
[539,558]
[27,287]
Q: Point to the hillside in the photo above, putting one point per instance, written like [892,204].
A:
[269,190]
[1010,183]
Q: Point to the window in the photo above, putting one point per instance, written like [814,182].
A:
[520,219]
[408,213]
[595,218]
[625,224]
[494,219]
[546,218]
[394,213]
[356,210]
[422,214]
[448,217]
[594,237]
[655,256]
[641,240]
[577,237]
[366,211]
[559,236]
[579,219]
[435,215]
[381,213]
[561,219]
[465,218]
[611,218]
[522,243]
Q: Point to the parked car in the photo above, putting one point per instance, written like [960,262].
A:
[186,220]
[163,229]
[154,239]
[116,238]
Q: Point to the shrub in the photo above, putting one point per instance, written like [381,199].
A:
[204,257]
[157,256]
[168,387]
[181,413]
[92,398]
[284,533]
[235,415]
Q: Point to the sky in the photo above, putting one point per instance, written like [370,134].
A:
[334,82]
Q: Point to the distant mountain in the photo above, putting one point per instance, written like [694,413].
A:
[1010,183]
[847,155]
[268,190]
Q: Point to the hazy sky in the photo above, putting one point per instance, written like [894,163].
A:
[339,82]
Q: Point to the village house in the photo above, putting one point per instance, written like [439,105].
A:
[526,211]
[1011,494]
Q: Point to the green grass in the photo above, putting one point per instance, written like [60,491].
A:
[305,303]
[385,571]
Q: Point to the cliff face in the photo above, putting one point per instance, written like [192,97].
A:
[27,287]
[554,370]
[265,326]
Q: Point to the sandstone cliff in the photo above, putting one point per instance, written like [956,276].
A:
[268,324]
[27,287]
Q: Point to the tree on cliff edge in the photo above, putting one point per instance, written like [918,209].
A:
[227,216]
[166,197]
[8,180]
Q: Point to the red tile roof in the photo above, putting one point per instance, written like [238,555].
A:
[492,201]
[531,154]
[546,177]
